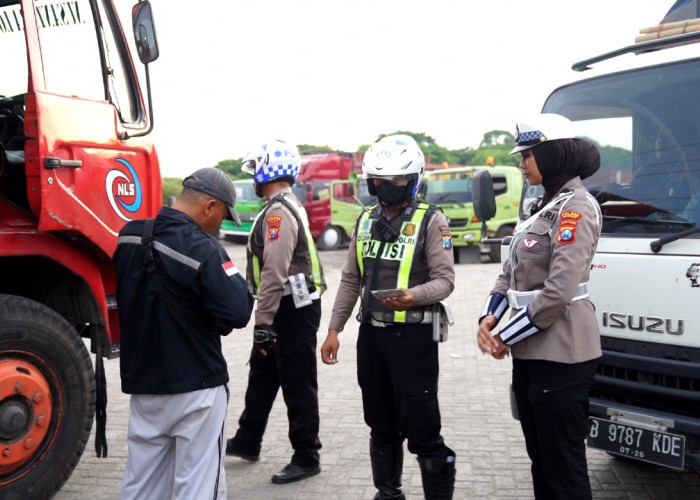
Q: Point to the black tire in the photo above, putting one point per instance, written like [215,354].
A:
[495,250]
[39,344]
[331,238]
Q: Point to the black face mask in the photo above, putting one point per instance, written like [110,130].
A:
[390,195]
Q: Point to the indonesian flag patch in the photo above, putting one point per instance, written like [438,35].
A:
[230,268]
[273,226]
[567,227]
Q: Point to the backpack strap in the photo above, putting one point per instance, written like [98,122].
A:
[176,307]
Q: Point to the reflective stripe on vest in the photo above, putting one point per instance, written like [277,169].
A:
[402,250]
[303,220]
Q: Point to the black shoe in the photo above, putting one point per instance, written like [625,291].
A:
[292,472]
[234,448]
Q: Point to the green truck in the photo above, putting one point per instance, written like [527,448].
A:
[451,188]
[347,199]
[248,205]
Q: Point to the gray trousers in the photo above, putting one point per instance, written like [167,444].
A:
[176,446]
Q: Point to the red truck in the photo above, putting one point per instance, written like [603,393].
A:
[76,163]
[313,185]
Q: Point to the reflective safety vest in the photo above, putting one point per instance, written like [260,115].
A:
[305,253]
[395,268]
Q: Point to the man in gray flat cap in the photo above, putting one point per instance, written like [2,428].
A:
[178,292]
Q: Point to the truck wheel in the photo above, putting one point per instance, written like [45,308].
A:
[47,399]
[330,239]
[495,250]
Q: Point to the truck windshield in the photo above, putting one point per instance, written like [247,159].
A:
[449,187]
[245,192]
[13,47]
[646,124]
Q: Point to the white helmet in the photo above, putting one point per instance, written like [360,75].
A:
[394,156]
[273,160]
[540,128]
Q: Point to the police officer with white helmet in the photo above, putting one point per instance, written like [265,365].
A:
[401,246]
[552,332]
[285,274]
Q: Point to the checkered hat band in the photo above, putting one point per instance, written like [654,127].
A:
[529,138]
[271,172]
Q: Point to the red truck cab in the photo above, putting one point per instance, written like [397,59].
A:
[76,163]
[313,185]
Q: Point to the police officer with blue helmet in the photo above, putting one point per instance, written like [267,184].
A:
[403,247]
[285,275]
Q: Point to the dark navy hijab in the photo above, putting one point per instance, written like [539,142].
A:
[561,160]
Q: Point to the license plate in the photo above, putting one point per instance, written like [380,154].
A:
[656,447]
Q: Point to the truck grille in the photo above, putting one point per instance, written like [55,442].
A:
[650,375]
[457,223]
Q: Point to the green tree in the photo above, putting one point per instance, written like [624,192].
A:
[310,148]
[497,138]
[232,168]
[171,187]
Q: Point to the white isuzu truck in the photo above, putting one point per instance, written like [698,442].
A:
[641,106]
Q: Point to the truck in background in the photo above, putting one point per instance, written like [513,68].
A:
[76,163]
[640,107]
[312,187]
[451,190]
[348,198]
[248,205]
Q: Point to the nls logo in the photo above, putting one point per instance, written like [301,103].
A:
[123,190]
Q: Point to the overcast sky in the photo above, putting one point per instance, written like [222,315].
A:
[232,73]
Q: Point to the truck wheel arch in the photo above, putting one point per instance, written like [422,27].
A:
[53,397]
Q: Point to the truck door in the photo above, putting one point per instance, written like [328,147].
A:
[86,172]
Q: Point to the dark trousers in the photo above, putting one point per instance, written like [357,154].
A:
[291,365]
[397,369]
[552,400]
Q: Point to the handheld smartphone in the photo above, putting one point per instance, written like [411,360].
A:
[391,292]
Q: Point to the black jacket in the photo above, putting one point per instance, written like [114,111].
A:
[161,352]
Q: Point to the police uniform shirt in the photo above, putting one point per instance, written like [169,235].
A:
[279,230]
[554,256]
[440,261]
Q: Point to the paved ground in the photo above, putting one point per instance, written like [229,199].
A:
[477,424]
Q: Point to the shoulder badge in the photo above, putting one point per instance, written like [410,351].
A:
[273,226]
[446,237]
[567,227]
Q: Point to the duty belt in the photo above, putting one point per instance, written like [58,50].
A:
[414,316]
[288,291]
[520,300]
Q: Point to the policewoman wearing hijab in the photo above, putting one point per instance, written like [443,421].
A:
[552,332]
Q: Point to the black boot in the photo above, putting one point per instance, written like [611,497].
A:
[387,464]
[438,478]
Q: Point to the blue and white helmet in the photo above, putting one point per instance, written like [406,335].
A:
[395,156]
[541,128]
[273,160]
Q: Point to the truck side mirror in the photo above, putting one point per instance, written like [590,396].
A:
[145,32]
[483,196]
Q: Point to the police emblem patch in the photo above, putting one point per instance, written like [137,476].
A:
[409,229]
[567,227]
[273,226]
